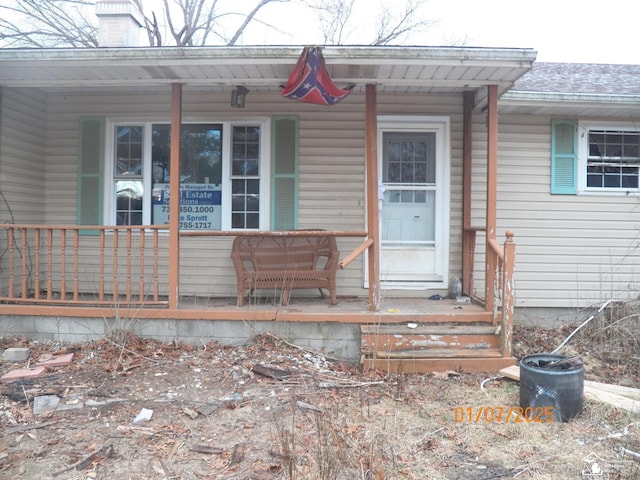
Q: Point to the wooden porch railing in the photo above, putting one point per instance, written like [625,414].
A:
[81,265]
[499,281]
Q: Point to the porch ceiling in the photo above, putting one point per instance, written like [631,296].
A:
[392,69]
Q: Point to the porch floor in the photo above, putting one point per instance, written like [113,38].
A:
[347,309]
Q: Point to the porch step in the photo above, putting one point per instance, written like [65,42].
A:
[432,347]
[428,365]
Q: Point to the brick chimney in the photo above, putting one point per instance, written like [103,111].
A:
[119,23]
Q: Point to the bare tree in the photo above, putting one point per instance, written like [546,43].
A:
[72,23]
[43,23]
[394,20]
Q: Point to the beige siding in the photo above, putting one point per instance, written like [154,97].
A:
[331,167]
[22,143]
[572,250]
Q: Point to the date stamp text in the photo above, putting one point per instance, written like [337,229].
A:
[503,414]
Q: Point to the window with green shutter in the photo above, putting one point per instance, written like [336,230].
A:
[564,157]
[284,173]
[90,171]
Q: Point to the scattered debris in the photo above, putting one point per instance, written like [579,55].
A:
[106,450]
[271,372]
[144,416]
[206,449]
[193,414]
[308,406]
[220,412]
[24,428]
[238,454]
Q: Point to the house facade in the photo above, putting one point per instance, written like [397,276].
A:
[568,186]
[433,167]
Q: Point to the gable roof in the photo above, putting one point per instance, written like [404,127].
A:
[576,89]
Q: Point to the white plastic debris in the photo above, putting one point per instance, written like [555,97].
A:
[144,416]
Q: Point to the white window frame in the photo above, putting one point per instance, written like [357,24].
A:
[584,127]
[109,208]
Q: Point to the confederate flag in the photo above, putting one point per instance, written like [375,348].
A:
[310,82]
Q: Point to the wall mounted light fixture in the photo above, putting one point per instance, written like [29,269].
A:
[238,96]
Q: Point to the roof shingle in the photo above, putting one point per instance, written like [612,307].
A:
[581,78]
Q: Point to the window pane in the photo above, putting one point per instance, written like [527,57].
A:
[200,175]
[237,203]
[201,154]
[128,151]
[129,202]
[237,220]
[245,167]
[253,220]
[409,158]
[614,159]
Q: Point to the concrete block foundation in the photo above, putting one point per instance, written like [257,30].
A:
[338,340]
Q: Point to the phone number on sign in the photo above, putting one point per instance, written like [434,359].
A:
[502,414]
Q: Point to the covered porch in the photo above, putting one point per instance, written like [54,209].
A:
[138,271]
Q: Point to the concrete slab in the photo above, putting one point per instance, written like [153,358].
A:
[45,404]
[16,354]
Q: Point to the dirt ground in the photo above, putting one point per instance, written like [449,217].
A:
[270,410]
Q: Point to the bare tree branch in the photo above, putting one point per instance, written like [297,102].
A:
[73,23]
[42,23]
[249,18]
[390,27]
[333,16]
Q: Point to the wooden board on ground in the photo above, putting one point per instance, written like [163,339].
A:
[622,397]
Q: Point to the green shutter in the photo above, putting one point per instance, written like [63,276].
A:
[284,173]
[90,171]
[564,157]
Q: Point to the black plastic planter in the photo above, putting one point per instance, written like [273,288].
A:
[549,389]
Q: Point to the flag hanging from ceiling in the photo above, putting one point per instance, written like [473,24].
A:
[310,81]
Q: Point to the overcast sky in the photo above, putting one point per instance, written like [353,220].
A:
[579,31]
[604,31]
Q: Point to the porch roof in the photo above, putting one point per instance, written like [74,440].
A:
[419,69]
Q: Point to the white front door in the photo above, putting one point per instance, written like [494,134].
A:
[414,212]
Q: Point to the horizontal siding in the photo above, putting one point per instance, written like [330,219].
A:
[571,250]
[331,164]
[22,158]
[22,147]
